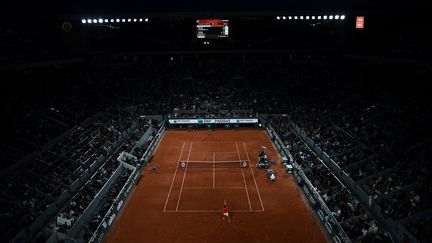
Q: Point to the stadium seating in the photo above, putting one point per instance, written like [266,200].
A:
[30,189]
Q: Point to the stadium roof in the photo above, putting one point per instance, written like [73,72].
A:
[99,6]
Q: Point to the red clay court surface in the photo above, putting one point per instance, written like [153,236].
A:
[183,204]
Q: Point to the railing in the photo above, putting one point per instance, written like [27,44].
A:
[60,202]
[324,214]
[152,147]
[91,209]
[48,145]
[112,213]
[397,231]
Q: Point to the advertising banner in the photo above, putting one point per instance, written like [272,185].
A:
[214,121]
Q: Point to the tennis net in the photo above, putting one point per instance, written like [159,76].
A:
[213,164]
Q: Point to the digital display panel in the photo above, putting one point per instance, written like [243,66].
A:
[359,22]
[212,28]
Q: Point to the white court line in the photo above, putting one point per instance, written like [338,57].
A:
[184,176]
[209,187]
[244,180]
[175,172]
[214,170]
[214,211]
[253,176]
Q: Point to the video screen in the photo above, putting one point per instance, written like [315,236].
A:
[212,28]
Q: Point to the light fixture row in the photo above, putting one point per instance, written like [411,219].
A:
[117,20]
[313,17]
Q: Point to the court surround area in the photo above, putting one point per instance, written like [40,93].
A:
[196,174]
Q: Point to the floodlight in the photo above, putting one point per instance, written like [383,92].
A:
[313,17]
[342,17]
[319,17]
[100,20]
[331,17]
[106,21]
[112,20]
[336,16]
[129,20]
[146,19]
[301,17]
[95,21]
[278,17]
[135,20]
[295,17]
[284,17]
[123,20]
[289,17]
[83,21]
[307,17]
[89,21]
[117,20]
[325,17]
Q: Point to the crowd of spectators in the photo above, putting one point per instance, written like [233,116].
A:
[346,209]
[70,214]
[380,141]
[131,145]
[376,137]
[30,189]
[108,202]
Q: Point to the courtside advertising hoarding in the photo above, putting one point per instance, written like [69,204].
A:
[214,121]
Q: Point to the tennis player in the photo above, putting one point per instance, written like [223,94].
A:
[154,169]
[210,133]
[225,213]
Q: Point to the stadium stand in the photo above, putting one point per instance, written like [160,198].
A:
[33,187]
[367,139]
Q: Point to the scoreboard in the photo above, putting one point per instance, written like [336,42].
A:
[212,28]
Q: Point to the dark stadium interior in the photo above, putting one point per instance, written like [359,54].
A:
[75,95]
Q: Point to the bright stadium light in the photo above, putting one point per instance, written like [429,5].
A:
[325,17]
[307,17]
[123,20]
[319,17]
[112,20]
[336,16]
[283,17]
[89,21]
[146,19]
[106,20]
[331,17]
[100,20]
[313,17]
[342,17]
[140,20]
[278,17]
[117,20]
[289,17]
[129,20]
[301,17]
[135,20]
[83,21]
[295,17]
[95,21]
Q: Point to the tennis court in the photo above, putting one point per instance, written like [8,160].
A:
[197,173]
[211,173]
